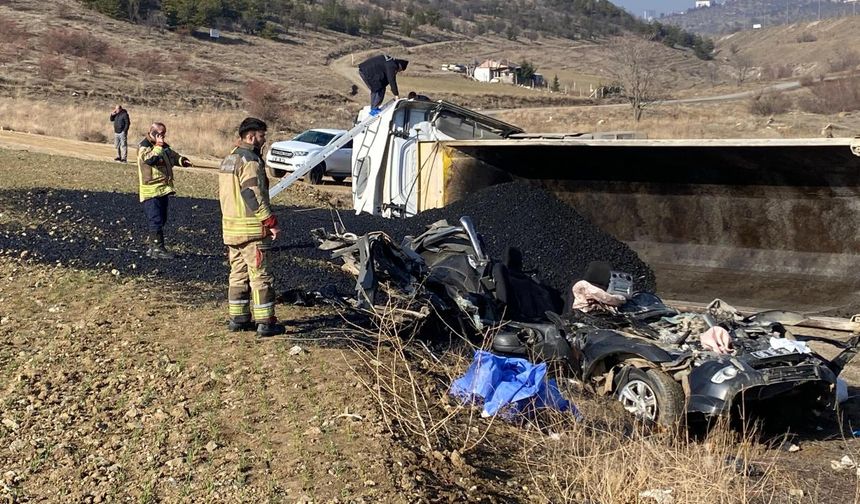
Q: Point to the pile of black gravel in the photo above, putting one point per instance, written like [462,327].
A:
[106,231]
[556,240]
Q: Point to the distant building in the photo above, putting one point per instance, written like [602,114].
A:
[649,15]
[495,71]
[703,3]
[757,26]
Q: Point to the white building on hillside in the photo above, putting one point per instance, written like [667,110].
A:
[495,71]
[703,3]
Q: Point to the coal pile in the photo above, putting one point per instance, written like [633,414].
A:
[557,242]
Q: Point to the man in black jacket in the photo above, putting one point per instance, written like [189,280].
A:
[377,73]
[121,123]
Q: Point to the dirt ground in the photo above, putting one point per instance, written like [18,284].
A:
[121,383]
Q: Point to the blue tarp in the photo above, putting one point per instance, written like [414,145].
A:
[508,385]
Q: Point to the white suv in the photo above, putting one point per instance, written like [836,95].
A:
[288,155]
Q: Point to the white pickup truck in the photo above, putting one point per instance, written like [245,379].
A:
[287,155]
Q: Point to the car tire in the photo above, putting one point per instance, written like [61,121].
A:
[653,396]
[339,179]
[315,176]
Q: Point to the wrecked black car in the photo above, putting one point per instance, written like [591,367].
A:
[651,357]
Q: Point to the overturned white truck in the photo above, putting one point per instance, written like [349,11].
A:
[771,220]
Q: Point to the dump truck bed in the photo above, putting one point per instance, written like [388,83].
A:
[764,222]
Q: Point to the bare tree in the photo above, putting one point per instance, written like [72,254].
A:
[713,73]
[742,65]
[635,67]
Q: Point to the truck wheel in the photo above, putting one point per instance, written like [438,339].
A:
[339,179]
[652,395]
[316,174]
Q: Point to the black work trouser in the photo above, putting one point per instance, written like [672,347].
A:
[376,95]
[156,213]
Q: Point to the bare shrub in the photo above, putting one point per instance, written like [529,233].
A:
[807,80]
[831,97]
[76,43]
[777,71]
[147,64]
[806,37]
[264,101]
[51,68]
[742,64]
[93,136]
[180,61]
[768,104]
[116,57]
[845,60]
[11,32]
[201,78]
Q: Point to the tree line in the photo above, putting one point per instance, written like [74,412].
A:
[572,19]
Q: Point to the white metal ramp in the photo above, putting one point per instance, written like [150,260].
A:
[327,151]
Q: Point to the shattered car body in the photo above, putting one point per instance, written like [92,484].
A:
[647,354]
[650,357]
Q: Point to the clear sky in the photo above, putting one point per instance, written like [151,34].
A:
[636,7]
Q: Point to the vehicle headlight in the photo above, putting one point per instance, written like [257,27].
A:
[725,374]
[300,153]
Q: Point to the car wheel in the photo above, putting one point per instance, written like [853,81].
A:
[652,395]
[339,179]
[316,174]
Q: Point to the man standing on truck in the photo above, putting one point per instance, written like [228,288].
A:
[378,72]
[249,226]
[121,123]
[155,162]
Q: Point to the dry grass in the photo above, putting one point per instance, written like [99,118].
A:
[11,32]
[768,104]
[825,43]
[193,132]
[603,458]
[712,120]
[833,97]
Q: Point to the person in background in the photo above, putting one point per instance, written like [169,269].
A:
[417,97]
[378,72]
[121,122]
[155,162]
[249,227]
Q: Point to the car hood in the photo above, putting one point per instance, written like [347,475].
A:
[292,145]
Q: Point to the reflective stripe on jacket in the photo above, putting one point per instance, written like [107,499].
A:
[155,169]
[243,190]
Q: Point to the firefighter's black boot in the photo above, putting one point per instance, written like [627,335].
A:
[156,249]
[238,325]
[270,328]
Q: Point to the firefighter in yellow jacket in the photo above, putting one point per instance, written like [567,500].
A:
[249,226]
[155,162]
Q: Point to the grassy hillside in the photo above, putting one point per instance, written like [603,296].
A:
[735,15]
[71,64]
[809,48]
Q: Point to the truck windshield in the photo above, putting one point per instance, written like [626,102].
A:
[314,137]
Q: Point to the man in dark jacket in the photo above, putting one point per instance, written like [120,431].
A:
[121,123]
[377,73]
